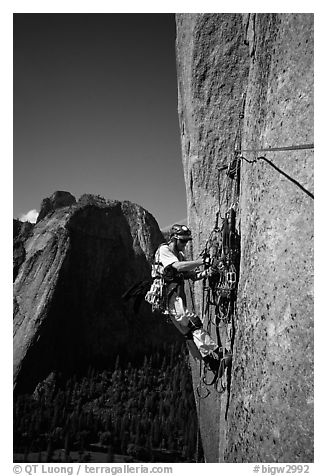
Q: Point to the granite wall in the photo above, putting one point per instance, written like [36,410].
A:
[247,80]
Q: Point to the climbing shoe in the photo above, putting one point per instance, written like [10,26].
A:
[189,335]
[194,322]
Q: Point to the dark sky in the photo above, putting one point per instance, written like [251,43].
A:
[95,110]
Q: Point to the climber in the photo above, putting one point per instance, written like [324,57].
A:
[175,269]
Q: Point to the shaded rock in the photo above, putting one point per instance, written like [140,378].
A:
[262,65]
[46,389]
[57,200]
[68,308]
[21,232]
[22,229]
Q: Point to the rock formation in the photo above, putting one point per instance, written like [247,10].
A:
[78,261]
[21,232]
[57,200]
[247,80]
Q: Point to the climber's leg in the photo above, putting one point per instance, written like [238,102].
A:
[204,342]
[188,322]
[185,320]
[177,314]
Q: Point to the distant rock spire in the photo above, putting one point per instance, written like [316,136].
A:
[57,200]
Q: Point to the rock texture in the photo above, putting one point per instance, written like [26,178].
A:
[262,65]
[57,200]
[68,309]
[21,232]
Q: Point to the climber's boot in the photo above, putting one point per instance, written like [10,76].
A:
[194,322]
[189,335]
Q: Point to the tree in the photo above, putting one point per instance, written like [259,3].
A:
[110,454]
[156,432]
[67,448]
[49,454]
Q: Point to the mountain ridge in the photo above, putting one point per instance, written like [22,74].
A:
[78,261]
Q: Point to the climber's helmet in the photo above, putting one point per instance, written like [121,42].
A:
[180,232]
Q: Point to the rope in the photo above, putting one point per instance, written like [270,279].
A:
[278,149]
[281,172]
[191,294]
[200,376]
[198,391]
[223,315]
[220,195]
[198,437]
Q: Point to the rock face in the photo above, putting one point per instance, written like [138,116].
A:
[21,231]
[247,79]
[57,200]
[69,314]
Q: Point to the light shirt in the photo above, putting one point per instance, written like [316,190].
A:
[166,258]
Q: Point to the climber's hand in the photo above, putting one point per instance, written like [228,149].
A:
[218,265]
[206,260]
[212,272]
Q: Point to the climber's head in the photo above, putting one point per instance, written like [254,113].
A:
[180,235]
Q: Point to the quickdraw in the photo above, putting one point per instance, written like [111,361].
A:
[222,254]
[157,294]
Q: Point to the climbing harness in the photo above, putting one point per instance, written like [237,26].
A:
[153,290]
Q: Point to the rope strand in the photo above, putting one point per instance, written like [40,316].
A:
[281,172]
[279,149]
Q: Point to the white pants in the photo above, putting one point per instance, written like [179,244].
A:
[180,317]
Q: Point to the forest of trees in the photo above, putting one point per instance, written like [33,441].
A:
[144,411]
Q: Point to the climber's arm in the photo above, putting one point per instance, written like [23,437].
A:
[183,266]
